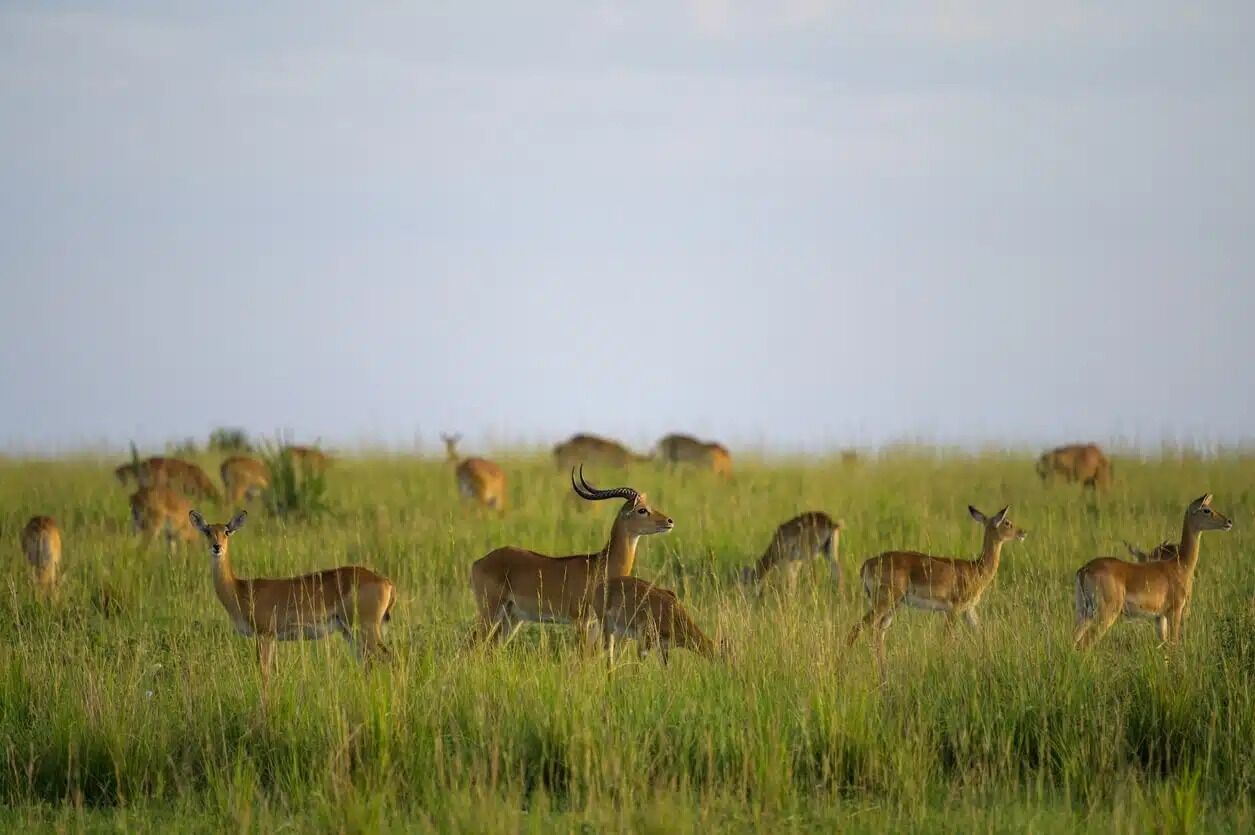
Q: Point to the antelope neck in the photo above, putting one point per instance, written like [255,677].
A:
[226,585]
[991,551]
[1187,554]
[620,551]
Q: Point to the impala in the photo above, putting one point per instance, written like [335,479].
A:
[169,472]
[1085,463]
[590,449]
[685,449]
[244,477]
[513,585]
[1159,590]
[41,543]
[351,600]
[161,510]
[798,539]
[478,478]
[627,607]
[942,584]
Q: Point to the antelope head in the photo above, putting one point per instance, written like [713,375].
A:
[636,516]
[217,534]
[1002,528]
[1201,517]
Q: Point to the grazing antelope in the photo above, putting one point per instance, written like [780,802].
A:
[941,584]
[161,510]
[311,459]
[478,478]
[1165,550]
[685,449]
[798,539]
[169,472]
[1159,590]
[244,477]
[590,449]
[513,585]
[346,600]
[628,607]
[1085,463]
[41,543]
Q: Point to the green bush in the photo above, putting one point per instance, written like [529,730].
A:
[229,439]
[295,492]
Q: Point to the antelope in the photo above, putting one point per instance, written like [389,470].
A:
[478,478]
[685,449]
[168,472]
[311,606]
[798,539]
[1165,550]
[311,459]
[162,510]
[244,477]
[628,607]
[41,543]
[941,584]
[1085,463]
[1159,590]
[590,449]
[512,585]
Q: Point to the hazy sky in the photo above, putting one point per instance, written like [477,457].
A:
[824,224]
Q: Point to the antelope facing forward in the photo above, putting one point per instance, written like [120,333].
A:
[941,584]
[244,477]
[41,543]
[348,600]
[628,607]
[479,479]
[513,585]
[1158,590]
[798,539]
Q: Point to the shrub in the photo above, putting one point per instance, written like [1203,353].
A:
[229,439]
[294,491]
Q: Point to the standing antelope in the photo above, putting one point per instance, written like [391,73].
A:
[311,606]
[591,449]
[628,607]
[1085,463]
[244,477]
[798,539]
[161,510]
[1159,590]
[513,585]
[478,478]
[941,584]
[169,472]
[41,543]
[685,449]
[311,459]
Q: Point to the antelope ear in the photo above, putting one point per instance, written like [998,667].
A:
[976,514]
[237,522]
[641,500]
[1000,516]
[1203,500]
[198,521]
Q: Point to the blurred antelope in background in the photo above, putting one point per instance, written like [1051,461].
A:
[513,585]
[1159,590]
[310,459]
[351,600]
[161,510]
[1163,551]
[176,473]
[1085,463]
[591,449]
[685,449]
[627,607]
[939,584]
[478,478]
[801,538]
[244,478]
[41,544]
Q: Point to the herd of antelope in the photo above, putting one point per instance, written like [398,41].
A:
[596,591]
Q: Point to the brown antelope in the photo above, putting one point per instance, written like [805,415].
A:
[41,543]
[244,478]
[311,459]
[685,449]
[798,539]
[161,510]
[513,585]
[478,478]
[627,607]
[1165,550]
[1085,463]
[940,584]
[1159,590]
[351,600]
[169,472]
[590,449]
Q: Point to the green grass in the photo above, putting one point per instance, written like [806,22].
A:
[150,719]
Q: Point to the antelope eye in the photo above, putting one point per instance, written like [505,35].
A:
[642,511]
[1206,511]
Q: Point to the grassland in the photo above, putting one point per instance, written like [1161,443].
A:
[150,719]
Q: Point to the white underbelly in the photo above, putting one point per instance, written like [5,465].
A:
[927,603]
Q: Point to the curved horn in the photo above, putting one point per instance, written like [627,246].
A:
[587,491]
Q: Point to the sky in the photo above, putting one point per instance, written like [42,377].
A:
[800,225]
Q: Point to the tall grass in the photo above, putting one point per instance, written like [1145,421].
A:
[151,719]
